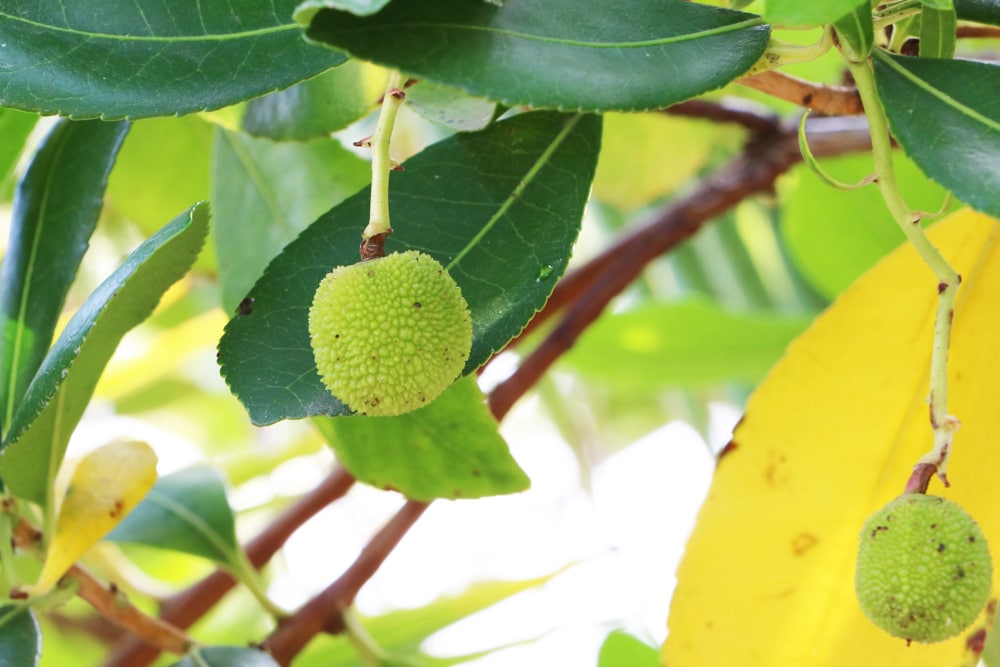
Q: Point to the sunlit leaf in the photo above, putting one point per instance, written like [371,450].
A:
[450,448]
[620,649]
[828,438]
[15,127]
[106,485]
[563,54]
[186,511]
[937,30]
[814,12]
[360,7]
[450,107]
[856,32]
[227,656]
[56,399]
[20,637]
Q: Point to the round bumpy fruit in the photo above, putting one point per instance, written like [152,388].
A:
[924,569]
[389,334]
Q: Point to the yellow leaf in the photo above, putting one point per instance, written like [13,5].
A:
[107,484]
[828,438]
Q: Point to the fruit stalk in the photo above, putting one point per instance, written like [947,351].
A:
[943,424]
[382,164]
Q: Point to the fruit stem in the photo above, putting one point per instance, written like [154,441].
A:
[382,164]
[943,424]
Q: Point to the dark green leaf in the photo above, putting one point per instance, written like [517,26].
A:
[937,31]
[450,107]
[565,54]
[692,343]
[620,649]
[946,116]
[227,656]
[265,193]
[307,9]
[139,58]
[856,32]
[15,126]
[450,448]
[56,398]
[55,210]
[315,108]
[500,209]
[813,12]
[980,11]
[185,511]
[20,637]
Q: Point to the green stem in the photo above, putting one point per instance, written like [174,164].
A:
[944,425]
[368,650]
[241,569]
[382,164]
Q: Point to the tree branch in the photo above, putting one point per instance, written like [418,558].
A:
[831,100]
[183,609]
[753,117]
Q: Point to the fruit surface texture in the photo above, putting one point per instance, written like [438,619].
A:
[923,569]
[389,334]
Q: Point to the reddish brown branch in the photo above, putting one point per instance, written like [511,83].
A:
[183,609]
[736,111]
[831,100]
[324,612]
[977,32]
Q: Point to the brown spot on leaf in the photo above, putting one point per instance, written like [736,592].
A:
[803,542]
[976,641]
[246,306]
[117,509]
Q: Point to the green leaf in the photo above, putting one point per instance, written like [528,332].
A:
[450,448]
[980,11]
[308,9]
[937,30]
[450,107]
[55,210]
[946,115]
[620,648]
[856,32]
[227,656]
[565,54]
[500,209]
[812,13]
[690,343]
[20,637]
[315,108]
[15,127]
[55,400]
[185,511]
[139,58]
[265,193]
[938,4]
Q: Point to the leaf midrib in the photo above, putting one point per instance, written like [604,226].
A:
[195,521]
[284,27]
[675,39]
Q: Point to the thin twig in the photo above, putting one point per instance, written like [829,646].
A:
[324,613]
[183,609]
[827,99]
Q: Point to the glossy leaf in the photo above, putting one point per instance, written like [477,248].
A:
[20,637]
[500,209]
[133,59]
[814,12]
[106,485]
[620,649]
[55,401]
[227,656]
[15,126]
[981,11]
[566,54]
[856,32]
[315,108]
[450,107]
[946,115]
[450,448]
[186,511]
[688,343]
[937,30]
[265,193]
[55,210]
[829,437]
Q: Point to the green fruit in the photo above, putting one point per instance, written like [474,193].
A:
[923,570]
[389,334]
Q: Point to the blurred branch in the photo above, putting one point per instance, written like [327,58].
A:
[183,609]
[584,293]
[740,112]
[324,613]
[830,100]
[977,32]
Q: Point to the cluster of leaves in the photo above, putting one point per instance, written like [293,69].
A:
[526,99]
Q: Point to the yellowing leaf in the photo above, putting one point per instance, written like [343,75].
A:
[106,485]
[828,438]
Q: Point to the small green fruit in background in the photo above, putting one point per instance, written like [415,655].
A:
[389,334]
[924,569]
